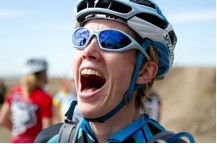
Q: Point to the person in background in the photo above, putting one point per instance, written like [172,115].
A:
[153,105]
[3,91]
[63,99]
[28,108]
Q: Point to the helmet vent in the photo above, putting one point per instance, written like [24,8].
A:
[144,2]
[107,4]
[119,7]
[153,19]
[173,37]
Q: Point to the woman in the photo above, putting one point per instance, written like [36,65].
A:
[115,69]
[122,46]
[28,108]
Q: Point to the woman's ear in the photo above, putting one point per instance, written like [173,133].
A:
[147,72]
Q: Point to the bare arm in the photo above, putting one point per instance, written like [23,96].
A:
[46,122]
[5,116]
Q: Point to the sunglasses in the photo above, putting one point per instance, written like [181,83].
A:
[109,40]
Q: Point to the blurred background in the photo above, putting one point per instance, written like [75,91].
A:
[43,29]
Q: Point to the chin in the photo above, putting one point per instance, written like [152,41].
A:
[89,111]
[86,110]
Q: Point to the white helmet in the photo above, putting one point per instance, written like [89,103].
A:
[142,16]
[35,65]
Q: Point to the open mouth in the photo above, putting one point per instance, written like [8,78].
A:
[91,80]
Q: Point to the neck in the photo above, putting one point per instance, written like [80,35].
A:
[120,120]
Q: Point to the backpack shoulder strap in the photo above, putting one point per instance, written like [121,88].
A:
[69,129]
[170,137]
[68,132]
[61,132]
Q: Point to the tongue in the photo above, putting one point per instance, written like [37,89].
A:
[89,90]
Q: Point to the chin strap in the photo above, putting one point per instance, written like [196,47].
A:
[129,94]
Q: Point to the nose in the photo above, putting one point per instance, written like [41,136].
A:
[92,51]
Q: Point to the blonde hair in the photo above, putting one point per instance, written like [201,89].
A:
[28,83]
[142,94]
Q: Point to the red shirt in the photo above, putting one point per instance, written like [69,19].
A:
[27,114]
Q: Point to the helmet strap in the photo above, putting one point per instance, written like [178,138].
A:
[133,86]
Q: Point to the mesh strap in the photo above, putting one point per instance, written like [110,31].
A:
[68,132]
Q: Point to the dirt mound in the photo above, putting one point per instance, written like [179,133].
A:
[189,102]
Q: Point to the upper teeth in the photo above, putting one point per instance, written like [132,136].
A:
[91,72]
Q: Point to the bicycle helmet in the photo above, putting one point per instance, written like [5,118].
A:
[35,65]
[142,16]
[146,19]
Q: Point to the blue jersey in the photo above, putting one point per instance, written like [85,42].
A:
[140,131]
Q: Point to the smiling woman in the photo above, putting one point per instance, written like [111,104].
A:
[122,47]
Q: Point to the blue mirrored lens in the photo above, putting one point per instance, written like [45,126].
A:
[111,39]
[80,37]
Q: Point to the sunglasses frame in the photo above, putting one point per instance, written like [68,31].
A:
[133,45]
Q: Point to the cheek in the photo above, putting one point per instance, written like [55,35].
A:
[75,67]
[125,63]
[122,67]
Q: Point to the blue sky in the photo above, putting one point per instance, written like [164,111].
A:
[43,28]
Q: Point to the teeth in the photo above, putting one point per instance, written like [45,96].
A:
[91,72]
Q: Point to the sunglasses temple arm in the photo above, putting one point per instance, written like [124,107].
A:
[144,47]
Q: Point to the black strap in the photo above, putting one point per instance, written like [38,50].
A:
[164,136]
[70,111]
